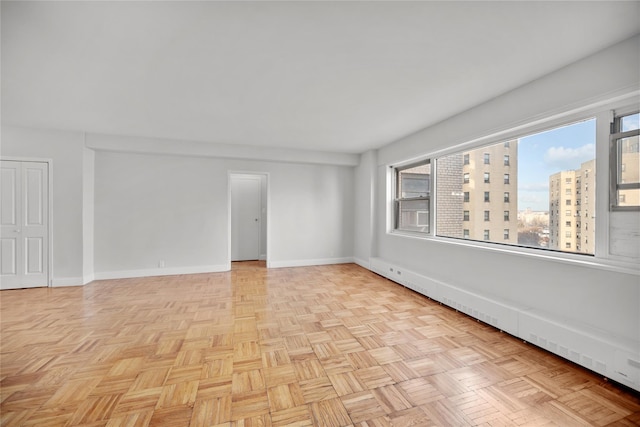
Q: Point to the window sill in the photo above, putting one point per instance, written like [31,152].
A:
[584,260]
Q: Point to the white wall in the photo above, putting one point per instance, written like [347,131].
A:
[580,296]
[65,149]
[153,207]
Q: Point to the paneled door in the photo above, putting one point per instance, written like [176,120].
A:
[24,221]
[245,217]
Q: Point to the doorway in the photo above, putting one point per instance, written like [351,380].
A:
[24,224]
[248,216]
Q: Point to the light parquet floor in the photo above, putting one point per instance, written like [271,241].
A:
[313,346]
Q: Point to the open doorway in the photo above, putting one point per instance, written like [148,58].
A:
[248,217]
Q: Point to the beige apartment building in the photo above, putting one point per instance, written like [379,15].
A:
[490,193]
[572,209]
[629,171]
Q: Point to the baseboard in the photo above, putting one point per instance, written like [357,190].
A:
[309,262]
[596,350]
[88,279]
[169,271]
[67,281]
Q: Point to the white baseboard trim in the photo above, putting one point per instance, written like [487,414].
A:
[67,281]
[600,351]
[89,278]
[170,271]
[308,262]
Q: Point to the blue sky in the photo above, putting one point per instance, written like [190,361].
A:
[543,154]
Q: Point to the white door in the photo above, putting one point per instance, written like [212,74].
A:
[24,222]
[245,217]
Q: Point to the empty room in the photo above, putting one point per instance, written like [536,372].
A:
[320,213]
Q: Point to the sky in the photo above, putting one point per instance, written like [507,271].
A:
[543,154]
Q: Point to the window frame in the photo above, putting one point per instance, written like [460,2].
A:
[398,199]
[615,162]
[602,111]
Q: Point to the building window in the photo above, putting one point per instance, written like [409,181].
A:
[567,234]
[465,233]
[567,192]
[523,187]
[506,144]
[506,160]
[486,235]
[567,223]
[567,181]
[466,158]
[567,245]
[625,173]
[465,216]
[412,197]
[465,178]
[506,234]
[486,177]
[486,158]
[567,202]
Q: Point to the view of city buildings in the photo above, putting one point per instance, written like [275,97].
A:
[572,209]
[477,197]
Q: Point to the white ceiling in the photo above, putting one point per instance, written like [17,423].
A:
[331,76]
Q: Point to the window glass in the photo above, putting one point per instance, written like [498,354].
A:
[412,201]
[539,173]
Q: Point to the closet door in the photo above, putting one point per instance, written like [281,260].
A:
[24,222]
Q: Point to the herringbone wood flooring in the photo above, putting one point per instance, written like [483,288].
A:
[323,346]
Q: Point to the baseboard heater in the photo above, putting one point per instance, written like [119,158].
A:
[615,358]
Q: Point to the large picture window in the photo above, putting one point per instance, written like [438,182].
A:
[413,197]
[546,178]
[625,163]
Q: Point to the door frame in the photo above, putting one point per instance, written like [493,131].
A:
[49,213]
[266,176]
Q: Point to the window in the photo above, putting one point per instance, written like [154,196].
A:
[486,235]
[486,158]
[534,183]
[466,158]
[412,197]
[567,234]
[486,177]
[567,181]
[506,160]
[567,224]
[567,202]
[506,234]
[567,245]
[465,216]
[625,165]
[506,144]
[466,178]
